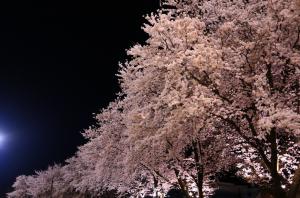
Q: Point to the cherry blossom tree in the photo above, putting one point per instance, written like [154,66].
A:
[257,84]
[47,183]
[235,62]
[165,107]
[21,187]
[100,160]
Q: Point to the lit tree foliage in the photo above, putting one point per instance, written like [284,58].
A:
[257,86]
[44,184]
[165,106]
[21,187]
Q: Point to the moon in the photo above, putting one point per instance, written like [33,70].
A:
[2,139]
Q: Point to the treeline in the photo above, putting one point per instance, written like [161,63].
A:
[215,86]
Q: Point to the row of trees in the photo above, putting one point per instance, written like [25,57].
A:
[215,86]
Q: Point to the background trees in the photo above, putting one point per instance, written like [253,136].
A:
[48,183]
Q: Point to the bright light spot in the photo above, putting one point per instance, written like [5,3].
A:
[2,139]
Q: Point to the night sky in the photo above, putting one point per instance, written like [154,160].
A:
[58,61]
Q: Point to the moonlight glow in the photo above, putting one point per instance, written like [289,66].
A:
[2,139]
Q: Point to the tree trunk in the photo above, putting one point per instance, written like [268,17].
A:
[295,187]
[276,190]
[182,184]
[155,184]
[199,167]
[200,183]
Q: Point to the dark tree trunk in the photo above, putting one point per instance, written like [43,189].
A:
[199,167]
[295,187]
[182,184]
[155,181]
[276,190]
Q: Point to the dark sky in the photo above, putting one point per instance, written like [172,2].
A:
[58,61]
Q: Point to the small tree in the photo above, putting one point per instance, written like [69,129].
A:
[21,187]
[44,184]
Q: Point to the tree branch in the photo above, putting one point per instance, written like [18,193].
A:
[156,172]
